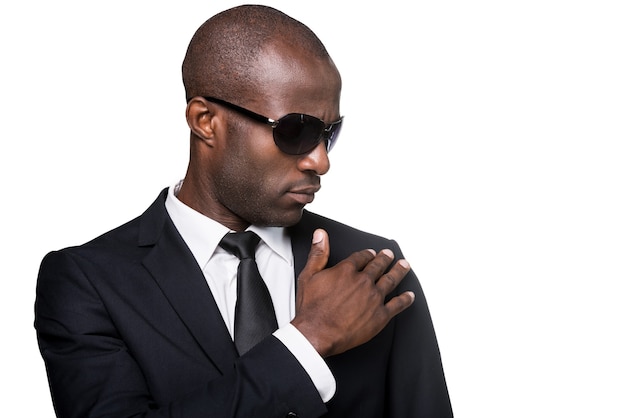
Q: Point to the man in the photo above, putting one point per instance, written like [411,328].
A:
[141,321]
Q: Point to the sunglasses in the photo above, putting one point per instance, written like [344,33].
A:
[295,133]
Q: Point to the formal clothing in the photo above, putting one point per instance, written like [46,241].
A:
[254,312]
[275,261]
[274,258]
[128,326]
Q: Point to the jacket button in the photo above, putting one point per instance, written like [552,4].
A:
[292,415]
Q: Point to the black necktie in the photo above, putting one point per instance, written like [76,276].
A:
[254,312]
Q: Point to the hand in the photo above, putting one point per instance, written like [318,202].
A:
[344,306]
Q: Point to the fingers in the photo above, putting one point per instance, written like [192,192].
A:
[388,281]
[399,303]
[341,307]
[367,261]
[376,267]
[318,254]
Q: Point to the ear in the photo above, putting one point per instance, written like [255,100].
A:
[201,118]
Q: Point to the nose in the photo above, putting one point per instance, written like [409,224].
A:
[315,160]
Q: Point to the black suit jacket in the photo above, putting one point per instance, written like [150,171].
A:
[128,327]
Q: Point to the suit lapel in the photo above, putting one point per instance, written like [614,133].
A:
[177,274]
[301,235]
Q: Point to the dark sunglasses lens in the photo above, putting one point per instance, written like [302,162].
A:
[331,135]
[298,134]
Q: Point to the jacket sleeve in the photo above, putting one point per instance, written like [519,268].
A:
[416,383]
[92,372]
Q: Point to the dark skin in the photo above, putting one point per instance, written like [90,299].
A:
[238,176]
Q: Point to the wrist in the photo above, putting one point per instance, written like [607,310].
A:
[314,335]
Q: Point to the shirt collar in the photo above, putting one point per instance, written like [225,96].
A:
[203,235]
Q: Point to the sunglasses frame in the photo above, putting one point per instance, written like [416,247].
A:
[325,134]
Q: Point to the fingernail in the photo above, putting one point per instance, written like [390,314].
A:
[404,264]
[388,253]
[318,237]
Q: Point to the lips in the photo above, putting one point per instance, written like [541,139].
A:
[303,195]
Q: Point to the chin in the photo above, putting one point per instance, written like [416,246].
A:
[286,218]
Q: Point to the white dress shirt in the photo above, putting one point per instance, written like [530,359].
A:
[275,261]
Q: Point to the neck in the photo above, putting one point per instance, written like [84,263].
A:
[188,195]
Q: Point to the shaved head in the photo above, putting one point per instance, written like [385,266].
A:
[263,60]
[222,55]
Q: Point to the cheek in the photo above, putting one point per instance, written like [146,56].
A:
[263,180]
[260,162]
[255,172]
[253,167]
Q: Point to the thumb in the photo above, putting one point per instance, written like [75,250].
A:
[318,255]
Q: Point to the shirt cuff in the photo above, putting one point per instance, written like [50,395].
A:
[310,360]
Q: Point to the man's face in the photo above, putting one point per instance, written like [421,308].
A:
[253,179]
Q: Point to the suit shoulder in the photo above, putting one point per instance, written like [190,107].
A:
[343,233]
[121,236]
[131,234]
[112,247]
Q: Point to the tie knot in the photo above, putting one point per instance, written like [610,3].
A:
[241,244]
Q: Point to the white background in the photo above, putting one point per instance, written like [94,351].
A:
[487,137]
